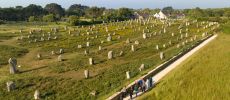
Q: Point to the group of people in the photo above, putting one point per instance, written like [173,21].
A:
[139,86]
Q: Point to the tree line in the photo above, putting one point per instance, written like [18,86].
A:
[55,12]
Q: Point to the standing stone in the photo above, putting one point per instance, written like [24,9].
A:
[79,46]
[87,44]
[13,65]
[144,35]
[136,42]
[10,86]
[39,56]
[60,58]
[178,46]
[52,53]
[99,48]
[86,72]
[127,41]
[164,46]
[164,30]
[142,67]
[132,48]
[162,55]
[157,47]
[110,54]
[127,75]
[172,34]
[37,95]
[61,51]
[86,52]
[91,62]
[109,38]
[121,53]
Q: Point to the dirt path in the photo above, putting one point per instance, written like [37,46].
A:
[164,72]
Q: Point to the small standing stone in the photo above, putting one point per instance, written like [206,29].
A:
[10,86]
[162,55]
[87,44]
[37,95]
[132,48]
[157,47]
[39,56]
[13,65]
[127,41]
[110,54]
[144,35]
[136,42]
[127,75]
[60,58]
[99,48]
[142,67]
[61,51]
[91,62]
[86,52]
[121,53]
[109,38]
[86,72]
[52,52]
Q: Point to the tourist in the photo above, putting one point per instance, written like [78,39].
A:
[136,88]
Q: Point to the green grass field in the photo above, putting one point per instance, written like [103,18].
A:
[65,80]
[204,76]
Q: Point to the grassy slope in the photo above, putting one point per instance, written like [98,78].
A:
[205,76]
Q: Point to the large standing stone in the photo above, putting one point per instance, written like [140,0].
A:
[37,95]
[91,62]
[10,86]
[86,72]
[110,55]
[13,65]
[127,75]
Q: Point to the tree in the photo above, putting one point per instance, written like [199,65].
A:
[168,10]
[94,12]
[55,9]
[73,20]
[227,13]
[77,9]
[196,13]
[31,19]
[33,10]
[124,13]
[48,18]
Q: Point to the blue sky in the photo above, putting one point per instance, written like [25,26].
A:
[124,3]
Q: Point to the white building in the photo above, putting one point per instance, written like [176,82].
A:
[160,15]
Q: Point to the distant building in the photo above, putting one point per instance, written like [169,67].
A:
[140,15]
[160,15]
[180,16]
